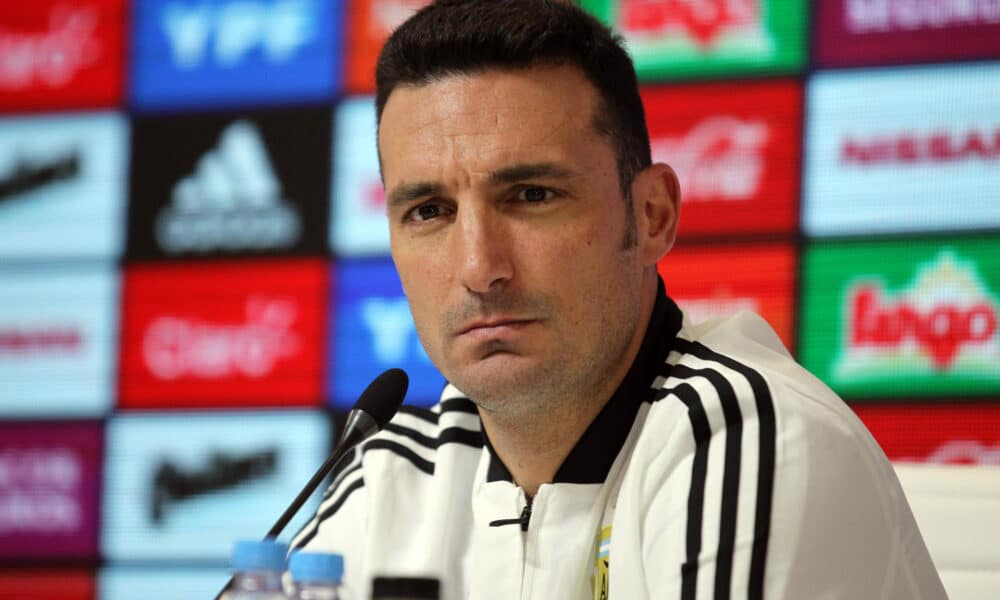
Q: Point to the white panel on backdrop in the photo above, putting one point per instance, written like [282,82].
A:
[131,583]
[358,225]
[58,339]
[62,186]
[187,485]
[905,149]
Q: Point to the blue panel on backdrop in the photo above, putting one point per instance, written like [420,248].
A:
[188,53]
[372,331]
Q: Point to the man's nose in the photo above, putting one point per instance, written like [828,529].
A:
[483,249]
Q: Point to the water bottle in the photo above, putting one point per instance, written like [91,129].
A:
[317,576]
[257,567]
[406,588]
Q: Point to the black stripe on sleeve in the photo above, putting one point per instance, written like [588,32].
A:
[420,413]
[696,492]
[766,465]
[730,474]
[330,511]
[402,451]
[448,435]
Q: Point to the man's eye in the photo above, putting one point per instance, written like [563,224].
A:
[535,194]
[426,212]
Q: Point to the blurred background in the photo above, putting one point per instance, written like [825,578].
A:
[194,273]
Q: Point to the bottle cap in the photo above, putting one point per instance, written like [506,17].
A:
[259,555]
[316,566]
[406,587]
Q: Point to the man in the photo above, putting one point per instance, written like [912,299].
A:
[591,443]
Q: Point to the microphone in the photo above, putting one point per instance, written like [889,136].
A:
[374,408]
[376,405]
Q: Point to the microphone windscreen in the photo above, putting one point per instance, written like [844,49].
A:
[383,396]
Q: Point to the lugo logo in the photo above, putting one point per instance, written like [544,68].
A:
[233,201]
[176,347]
[227,33]
[720,158]
[946,315]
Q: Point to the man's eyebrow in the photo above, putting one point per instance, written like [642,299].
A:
[408,192]
[521,172]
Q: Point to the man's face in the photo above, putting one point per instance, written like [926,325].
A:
[507,224]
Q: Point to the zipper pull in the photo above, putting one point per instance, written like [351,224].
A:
[525,517]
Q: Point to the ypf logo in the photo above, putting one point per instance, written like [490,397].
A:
[944,321]
[720,158]
[226,34]
[702,20]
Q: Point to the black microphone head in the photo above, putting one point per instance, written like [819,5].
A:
[383,396]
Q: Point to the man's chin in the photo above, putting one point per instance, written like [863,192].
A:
[497,376]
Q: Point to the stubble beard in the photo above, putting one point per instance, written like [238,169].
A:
[561,386]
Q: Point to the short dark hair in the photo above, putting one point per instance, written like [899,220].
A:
[453,37]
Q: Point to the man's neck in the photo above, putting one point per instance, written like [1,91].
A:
[534,446]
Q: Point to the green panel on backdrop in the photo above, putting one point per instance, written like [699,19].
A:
[673,39]
[903,317]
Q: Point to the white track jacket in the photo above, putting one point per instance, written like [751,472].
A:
[720,469]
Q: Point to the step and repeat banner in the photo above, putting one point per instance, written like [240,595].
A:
[195,281]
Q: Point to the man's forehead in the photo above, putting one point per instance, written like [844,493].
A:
[489,95]
[494,110]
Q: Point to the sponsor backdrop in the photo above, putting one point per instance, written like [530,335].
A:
[195,280]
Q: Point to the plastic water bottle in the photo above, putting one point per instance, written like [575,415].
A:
[257,567]
[406,588]
[317,576]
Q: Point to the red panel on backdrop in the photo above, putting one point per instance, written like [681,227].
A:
[849,32]
[46,585]
[936,433]
[369,24]
[221,334]
[720,280]
[58,54]
[736,148]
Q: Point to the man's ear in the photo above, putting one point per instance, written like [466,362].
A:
[656,199]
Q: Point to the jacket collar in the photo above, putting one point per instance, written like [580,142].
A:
[591,458]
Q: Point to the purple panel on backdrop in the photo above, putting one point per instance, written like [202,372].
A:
[870,32]
[50,477]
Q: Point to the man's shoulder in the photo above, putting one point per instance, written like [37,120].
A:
[417,437]
[735,371]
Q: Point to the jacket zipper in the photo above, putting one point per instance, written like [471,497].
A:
[522,520]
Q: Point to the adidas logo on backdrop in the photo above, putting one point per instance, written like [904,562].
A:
[233,201]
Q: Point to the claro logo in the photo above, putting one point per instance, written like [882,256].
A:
[720,158]
[935,147]
[944,316]
[51,57]
[176,347]
[702,20]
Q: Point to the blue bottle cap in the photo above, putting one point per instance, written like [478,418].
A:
[259,555]
[316,567]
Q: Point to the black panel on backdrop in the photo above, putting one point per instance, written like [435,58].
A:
[230,184]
